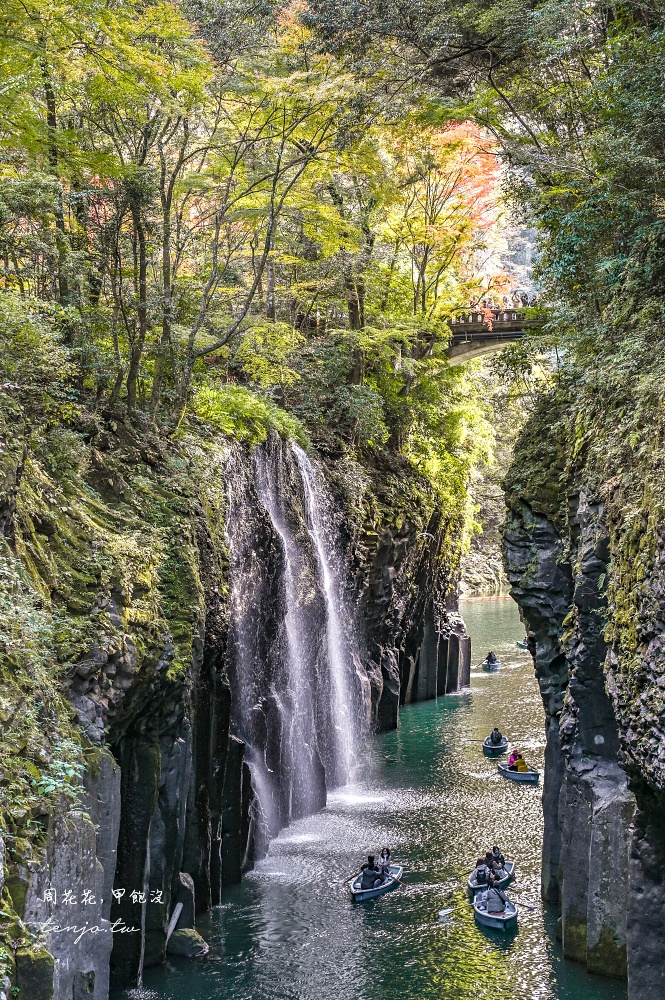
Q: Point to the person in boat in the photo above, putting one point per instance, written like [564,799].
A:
[519,764]
[497,856]
[496,737]
[371,876]
[513,760]
[491,657]
[496,867]
[490,864]
[495,900]
[384,861]
[481,873]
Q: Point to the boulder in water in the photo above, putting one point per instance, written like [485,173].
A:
[187,943]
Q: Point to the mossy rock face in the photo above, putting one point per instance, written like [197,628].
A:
[35,971]
[574,938]
[187,943]
[608,957]
[17,885]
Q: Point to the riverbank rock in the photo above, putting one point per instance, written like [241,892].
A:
[187,943]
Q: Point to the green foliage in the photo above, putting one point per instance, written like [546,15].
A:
[243,415]
[264,351]
[40,749]
[32,356]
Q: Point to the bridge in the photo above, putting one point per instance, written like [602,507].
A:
[476,333]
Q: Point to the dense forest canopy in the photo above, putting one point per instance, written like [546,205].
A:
[573,93]
[206,210]
[211,225]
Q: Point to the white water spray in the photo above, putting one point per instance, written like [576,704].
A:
[297,655]
[338,642]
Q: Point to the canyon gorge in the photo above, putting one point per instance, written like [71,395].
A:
[258,624]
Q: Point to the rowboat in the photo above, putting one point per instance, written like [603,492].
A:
[391,882]
[506,921]
[530,777]
[474,887]
[494,750]
[522,645]
[491,666]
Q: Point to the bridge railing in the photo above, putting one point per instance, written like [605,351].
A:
[496,316]
[495,323]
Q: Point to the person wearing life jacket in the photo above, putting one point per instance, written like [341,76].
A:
[513,761]
[371,876]
[496,737]
[521,764]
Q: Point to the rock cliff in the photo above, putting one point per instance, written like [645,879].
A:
[149,567]
[576,564]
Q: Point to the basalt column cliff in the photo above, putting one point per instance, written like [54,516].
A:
[584,555]
[238,621]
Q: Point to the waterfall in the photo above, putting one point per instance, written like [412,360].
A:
[294,668]
[297,653]
[340,639]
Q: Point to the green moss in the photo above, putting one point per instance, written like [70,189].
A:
[574,938]
[608,957]
[35,972]
[540,473]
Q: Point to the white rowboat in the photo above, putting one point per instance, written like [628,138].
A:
[494,749]
[391,882]
[506,921]
[530,777]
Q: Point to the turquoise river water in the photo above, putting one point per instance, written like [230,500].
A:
[291,931]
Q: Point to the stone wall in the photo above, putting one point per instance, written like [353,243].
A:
[403,565]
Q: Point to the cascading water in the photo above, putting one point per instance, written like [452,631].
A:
[295,671]
[296,650]
[340,641]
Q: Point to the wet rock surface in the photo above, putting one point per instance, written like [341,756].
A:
[603,801]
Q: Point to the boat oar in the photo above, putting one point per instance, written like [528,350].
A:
[527,904]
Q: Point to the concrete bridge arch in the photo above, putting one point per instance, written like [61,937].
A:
[477,333]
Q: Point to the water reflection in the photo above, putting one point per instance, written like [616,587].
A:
[291,932]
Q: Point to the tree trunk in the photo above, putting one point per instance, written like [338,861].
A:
[61,233]
[271,306]
[136,352]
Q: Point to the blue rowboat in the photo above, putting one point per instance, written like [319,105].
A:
[494,750]
[530,777]
[522,645]
[491,666]
[391,882]
[506,921]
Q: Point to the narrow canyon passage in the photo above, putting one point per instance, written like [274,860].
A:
[290,930]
